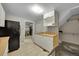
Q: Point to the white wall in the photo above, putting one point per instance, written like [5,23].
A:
[22,24]
[2,16]
[71,27]
[40,27]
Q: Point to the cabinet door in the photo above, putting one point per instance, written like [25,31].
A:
[49,18]
[3,45]
[44,42]
[50,21]
[47,43]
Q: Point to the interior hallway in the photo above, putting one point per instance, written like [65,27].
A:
[28,48]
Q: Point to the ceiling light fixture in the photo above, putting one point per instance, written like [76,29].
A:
[37,9]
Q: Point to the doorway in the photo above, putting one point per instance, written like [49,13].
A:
[28,31]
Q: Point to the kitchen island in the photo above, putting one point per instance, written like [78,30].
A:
[46,40]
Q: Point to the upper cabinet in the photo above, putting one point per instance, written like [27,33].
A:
[49,19]
[2,16]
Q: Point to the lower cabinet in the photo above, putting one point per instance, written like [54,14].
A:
[4,46]
[44,42]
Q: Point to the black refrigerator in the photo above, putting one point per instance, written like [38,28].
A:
[14,33]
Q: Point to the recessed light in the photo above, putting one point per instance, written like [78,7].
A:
[37,9]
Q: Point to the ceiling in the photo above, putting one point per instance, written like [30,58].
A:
[24,9]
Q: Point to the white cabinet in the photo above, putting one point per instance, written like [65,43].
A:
[49,18]
[44,42]
[2,16]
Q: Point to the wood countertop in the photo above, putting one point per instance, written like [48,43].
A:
[48,34]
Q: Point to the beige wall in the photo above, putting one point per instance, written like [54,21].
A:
[2,16]
[71,27]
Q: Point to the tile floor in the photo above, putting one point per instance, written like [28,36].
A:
[28,48]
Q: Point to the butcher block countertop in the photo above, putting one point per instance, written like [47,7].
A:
[52,35]
[3,45]
[48,34]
